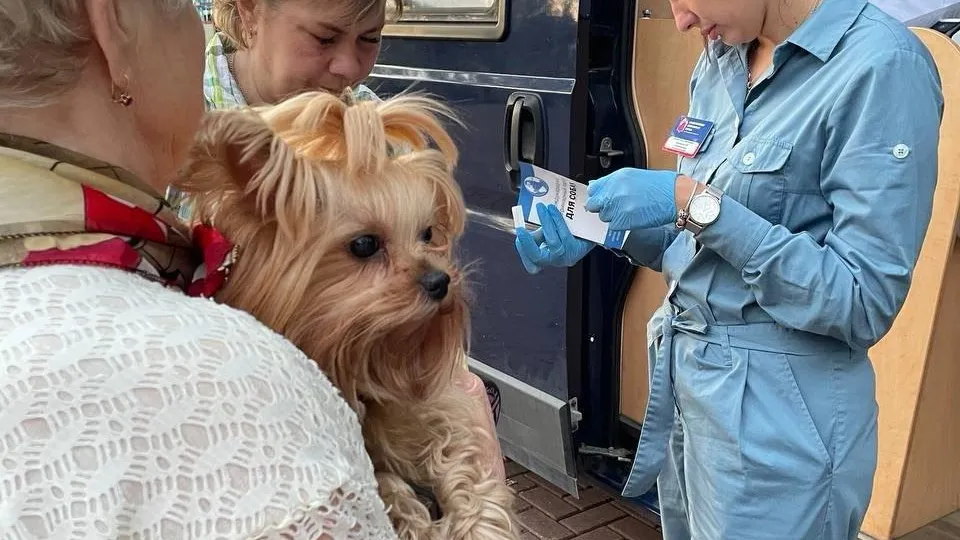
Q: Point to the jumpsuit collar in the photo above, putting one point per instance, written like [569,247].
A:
[820,34]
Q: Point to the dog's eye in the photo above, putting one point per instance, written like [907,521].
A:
[427,235]
[365,246]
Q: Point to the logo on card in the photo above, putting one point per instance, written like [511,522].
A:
[536,186]
[682,124]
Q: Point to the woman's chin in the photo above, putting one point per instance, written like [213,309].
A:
[733,41]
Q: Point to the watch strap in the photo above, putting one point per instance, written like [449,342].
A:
[684,213]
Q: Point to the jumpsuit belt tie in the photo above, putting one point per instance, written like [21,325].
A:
[659,417]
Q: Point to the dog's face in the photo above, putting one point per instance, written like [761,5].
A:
[345,247]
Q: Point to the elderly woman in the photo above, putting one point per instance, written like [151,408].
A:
[128,407]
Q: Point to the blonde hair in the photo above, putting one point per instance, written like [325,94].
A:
[43,48]
[226,15]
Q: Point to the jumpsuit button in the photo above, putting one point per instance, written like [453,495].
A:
[749,158]
[901,151]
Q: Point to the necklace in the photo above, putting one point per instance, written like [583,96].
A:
[233,73]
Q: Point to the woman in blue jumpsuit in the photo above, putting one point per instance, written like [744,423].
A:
[762,418]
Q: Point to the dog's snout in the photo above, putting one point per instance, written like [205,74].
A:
[435,283]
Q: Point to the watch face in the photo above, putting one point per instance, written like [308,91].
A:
[704,209]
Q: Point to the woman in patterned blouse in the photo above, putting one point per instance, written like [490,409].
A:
[266,50]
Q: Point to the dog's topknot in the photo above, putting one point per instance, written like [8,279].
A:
[360,135]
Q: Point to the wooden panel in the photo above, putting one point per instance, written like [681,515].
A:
[654,9]
[662,62]
[645,296]
[663,59]
[931,479]
[916,479]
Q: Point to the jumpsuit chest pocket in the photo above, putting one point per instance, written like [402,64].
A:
[758,176]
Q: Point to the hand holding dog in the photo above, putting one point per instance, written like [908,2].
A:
[634,198]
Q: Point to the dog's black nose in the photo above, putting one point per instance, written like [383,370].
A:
[435,283]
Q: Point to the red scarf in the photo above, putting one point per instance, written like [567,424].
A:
[60,207]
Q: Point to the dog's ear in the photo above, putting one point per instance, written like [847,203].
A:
[238,163]
[233,142]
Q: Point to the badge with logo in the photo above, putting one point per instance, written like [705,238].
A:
[687,136]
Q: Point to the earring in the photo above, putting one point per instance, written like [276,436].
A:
[248,36]
[119,94]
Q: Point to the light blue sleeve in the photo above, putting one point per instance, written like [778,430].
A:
[852,285]
[645,247]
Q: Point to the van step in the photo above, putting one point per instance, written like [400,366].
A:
[620,454]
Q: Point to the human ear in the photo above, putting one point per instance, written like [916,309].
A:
[112,30]
[248,10]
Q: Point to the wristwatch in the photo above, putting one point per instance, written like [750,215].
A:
[701,211]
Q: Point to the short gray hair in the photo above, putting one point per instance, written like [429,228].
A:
[42,46]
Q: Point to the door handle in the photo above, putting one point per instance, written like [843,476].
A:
[523,135]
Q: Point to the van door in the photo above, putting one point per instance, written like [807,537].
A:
[532,80]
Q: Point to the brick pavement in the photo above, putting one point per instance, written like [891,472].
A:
[547,513]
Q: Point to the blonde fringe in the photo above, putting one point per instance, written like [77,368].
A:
[326,129]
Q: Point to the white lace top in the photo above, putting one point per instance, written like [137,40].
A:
[131,411]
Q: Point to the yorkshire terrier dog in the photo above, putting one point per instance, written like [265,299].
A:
[345,216]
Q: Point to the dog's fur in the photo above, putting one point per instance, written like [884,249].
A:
[294,186]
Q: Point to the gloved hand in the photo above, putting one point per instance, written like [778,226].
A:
[634,198]
[550,245]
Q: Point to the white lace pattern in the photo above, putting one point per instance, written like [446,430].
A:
[132,411]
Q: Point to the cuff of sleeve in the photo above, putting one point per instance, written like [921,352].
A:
[736,234]
[644,247]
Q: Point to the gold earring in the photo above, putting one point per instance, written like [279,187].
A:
[248,36]
[119,94]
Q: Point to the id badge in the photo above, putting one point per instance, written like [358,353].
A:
[688,136]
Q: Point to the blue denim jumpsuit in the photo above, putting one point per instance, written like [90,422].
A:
[762,417]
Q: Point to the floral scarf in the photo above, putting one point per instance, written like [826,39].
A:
[61,207]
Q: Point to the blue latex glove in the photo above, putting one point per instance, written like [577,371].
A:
[634,198]
[550,245]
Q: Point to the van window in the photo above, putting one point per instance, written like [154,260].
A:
[459,19]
